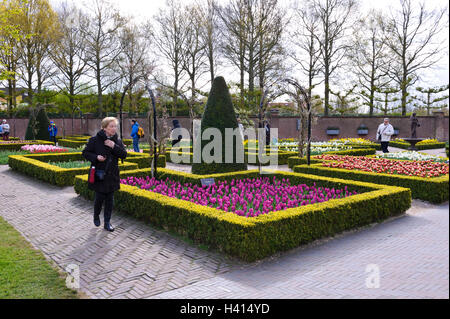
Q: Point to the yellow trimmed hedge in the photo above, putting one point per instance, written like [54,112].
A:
[434,190]
[144,160]
[18,146]
[72,143]
[251,239]
[420,147]
[36,165]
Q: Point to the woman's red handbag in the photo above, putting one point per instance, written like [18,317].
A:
[91,179]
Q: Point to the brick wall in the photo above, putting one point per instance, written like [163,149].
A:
[436,126]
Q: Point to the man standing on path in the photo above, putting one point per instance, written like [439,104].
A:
[384,133]
[52,131]
[5,130]
[135,136]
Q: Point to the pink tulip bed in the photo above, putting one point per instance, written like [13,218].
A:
[243,197]
[36,149]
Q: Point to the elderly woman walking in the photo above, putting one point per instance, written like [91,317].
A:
[104,151]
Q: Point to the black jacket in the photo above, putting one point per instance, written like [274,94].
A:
[96,146]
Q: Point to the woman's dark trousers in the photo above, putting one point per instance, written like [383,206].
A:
[108,199]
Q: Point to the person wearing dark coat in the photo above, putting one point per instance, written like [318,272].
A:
[104,151]
[176,124]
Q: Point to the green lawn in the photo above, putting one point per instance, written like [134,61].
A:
[4,156]
[24,272]
[73,164]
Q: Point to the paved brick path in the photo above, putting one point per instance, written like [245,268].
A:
[137,261]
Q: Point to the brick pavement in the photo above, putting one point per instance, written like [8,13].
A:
[137,261]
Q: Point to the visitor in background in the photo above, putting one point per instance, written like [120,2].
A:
[1,130]
[104,151]
[241,128]
[53,131]
[5,130]
[267,128]
[134,135]
[384,133]
[176,124]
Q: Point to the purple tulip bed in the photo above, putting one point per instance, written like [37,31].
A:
[243,197]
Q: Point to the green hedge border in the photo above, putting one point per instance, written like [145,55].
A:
[251,239]
[434,190]
[36,165]
[419,147]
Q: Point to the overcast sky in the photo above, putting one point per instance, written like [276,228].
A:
[143,10]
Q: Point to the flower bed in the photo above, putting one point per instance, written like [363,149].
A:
[412,156]
[426,169]
[427,180]
[257,237]
[17,145]
[295,160]
[33,148]
[248,197]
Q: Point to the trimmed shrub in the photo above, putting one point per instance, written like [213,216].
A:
[434,190]
[419,147]
[219,113]
[144,160]
[72,143]
[251,239]
[36,165]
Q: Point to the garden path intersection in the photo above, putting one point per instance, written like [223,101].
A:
[410,253]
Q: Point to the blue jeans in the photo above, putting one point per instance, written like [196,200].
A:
[136,144]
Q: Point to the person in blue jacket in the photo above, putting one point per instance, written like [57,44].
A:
[52,131]
[135,136]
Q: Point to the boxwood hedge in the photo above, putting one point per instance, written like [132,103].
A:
[36,165]
[251,239]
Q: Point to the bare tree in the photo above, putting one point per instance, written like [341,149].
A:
[304,37]
[412,37]
[134,63]
[69,54]
[334,18]
[169,35]
[210,36]
[193,56]
[345,101]
[369,56]
[103,46]
[252,33]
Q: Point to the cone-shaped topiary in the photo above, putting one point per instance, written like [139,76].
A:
[38,126]
[30,133]
[219,113]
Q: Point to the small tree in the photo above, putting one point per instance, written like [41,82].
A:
[38,124]
[428,102]
[383,102]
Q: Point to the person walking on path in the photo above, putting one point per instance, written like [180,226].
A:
[176,124]
[135,136]
[104,151]
[5,130]
[1,130]
[53,131]
[384,133]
